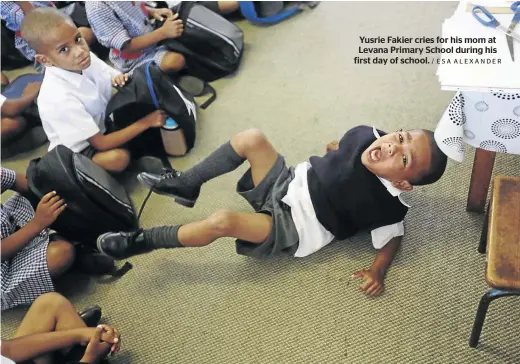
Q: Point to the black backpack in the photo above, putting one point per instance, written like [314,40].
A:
[96,202]
[147,90]
[211,44]
[12,58]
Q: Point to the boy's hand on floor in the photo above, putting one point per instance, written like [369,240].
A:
[32,89]
[49,208]
[120,80]
[334,145]
[160,14]
[172,27]
[155,119]
[373,282]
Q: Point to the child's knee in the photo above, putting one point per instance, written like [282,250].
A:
[116,160]
[251,139]
[222,222]
[172,62]
[12,127]
[49,302]
[60,256]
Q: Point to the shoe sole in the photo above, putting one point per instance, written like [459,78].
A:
[178,199]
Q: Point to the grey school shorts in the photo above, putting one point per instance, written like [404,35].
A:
[266,198]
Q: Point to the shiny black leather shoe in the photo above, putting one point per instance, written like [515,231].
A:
[170,184]
[91,315]
[122,245]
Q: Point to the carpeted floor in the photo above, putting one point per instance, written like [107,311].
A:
[299,85]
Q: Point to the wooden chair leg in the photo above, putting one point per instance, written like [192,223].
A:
[483,235]
[480,179]
[486,299]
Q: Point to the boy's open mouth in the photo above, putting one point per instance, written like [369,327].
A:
[375,154]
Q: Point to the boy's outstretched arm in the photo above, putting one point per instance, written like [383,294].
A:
[373,277]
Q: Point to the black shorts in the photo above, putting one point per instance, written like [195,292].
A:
[267,198]
[89,152]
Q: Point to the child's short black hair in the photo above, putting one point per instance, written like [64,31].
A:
[437,164]
[39,22]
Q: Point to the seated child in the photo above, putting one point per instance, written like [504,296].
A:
[355,186]
[75,92]
[125,27]
[30,257]
[52,326]
[13,12]
[15,135]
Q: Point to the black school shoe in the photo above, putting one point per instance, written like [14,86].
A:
[170,184]
[122,245]
[91,315]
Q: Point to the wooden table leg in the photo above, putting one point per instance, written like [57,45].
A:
[480,179]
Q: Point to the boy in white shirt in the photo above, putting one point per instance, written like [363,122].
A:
[76,90]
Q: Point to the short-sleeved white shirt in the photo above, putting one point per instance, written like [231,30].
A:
[72,105]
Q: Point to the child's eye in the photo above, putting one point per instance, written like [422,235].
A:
[64,49]
[78,39]
[401,139]
[405,160]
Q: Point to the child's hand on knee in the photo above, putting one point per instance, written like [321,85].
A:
[49,208]
[120,80]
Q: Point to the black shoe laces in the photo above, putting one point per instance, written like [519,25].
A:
[170,173]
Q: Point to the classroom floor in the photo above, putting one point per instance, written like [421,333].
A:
[209,305]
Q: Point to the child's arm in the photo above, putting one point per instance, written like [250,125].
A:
[374,277]
[47,211]
[31,346]
[116,139]
[26,6]
[116,36]
[13,107]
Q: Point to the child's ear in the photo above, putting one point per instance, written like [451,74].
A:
[402,185]
[43,60]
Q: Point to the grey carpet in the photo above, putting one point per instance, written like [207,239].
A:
[298,84]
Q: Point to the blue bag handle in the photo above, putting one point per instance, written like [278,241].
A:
[150,83]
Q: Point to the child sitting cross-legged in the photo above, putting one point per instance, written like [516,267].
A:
[354,187]
[76,89]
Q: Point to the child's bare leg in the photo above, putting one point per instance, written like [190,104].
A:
[227,7]
[184,187]
[249,226]
[60,256]
[172,62]
[115,160]
[5,80]
[49,312]
[11,127]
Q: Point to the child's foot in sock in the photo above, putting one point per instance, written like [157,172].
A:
[122,245]
[171,184]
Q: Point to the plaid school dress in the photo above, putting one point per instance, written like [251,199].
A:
[115,23]
[26,275]
[13,15]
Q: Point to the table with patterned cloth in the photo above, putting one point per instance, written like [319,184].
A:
[488,121]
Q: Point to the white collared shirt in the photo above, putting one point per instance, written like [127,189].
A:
[72,106]
[312,234]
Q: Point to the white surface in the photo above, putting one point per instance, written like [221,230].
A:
[479,77]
